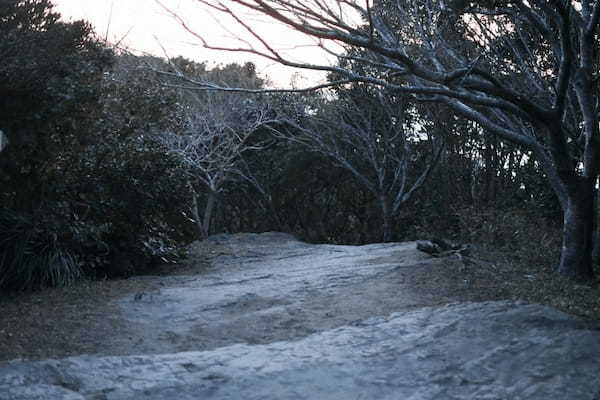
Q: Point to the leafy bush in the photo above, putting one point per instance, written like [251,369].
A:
[32,255]
[121,205]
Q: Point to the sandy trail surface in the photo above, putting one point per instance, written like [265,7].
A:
[275,318]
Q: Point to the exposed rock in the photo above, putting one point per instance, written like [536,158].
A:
[281,319]
[465,351]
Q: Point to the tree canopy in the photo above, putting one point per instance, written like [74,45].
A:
[439,117]
[524,71]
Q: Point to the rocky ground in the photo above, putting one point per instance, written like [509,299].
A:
[255,299]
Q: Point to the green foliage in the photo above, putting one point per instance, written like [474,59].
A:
[123,196]
[49,87]
[33,254]
[129,205]
[79,122]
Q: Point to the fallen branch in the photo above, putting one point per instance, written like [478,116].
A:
[442,248]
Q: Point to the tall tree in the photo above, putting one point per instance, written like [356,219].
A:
[525,71]
[215,133]
[373,136]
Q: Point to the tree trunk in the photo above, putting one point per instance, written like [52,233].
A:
[491,166]
[596,250]
[386,215]
[195,213]
[578,230]
[210,205]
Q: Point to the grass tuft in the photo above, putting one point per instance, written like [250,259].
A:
[32,256]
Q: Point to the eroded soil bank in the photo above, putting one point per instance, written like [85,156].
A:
[275,318]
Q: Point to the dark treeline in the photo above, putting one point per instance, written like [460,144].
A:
[110,164]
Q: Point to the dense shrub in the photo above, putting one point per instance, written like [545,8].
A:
[122,206]
[89,194]
[49,88]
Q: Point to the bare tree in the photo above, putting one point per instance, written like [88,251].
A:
[373,139]
[216,130]
[525,71]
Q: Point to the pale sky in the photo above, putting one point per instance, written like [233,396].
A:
[142,24]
